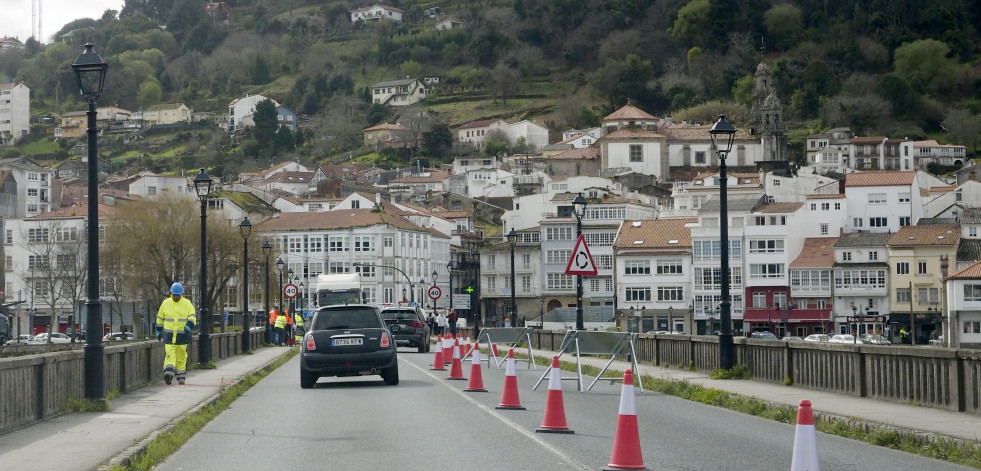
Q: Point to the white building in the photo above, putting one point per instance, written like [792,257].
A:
[15,112]
[963,305]
[927,152]
[653,276]
[332,242]
[404,92]
[33,188]
[533,134]
[376,13]
[476,132]
[151,186]
[860,278]
[530,210]
[241,112]
[882,201]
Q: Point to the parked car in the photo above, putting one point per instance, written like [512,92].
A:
[792,338]
[22,339]
[408,326]
[119,336]
[56,337]
[843,338]
[817,338]
[874,339]
[763,335]
[348,340]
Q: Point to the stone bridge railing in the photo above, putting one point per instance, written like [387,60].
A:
[36,386]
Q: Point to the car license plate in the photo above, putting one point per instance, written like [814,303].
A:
[346,342]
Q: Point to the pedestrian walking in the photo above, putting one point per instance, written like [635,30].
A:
[441,323]
[175,319]
[451,320]
[298,327]
[431,321]
[279,329]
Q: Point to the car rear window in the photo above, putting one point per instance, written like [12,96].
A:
[399,315]
[346,318]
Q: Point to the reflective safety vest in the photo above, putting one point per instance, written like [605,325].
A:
[298,319]
[272,316]
[173,317]
[280,322]
[289,318]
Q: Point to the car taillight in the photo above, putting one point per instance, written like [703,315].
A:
[415,324]
[385,340]
[311,345]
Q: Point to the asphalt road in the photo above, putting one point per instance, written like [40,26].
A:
[429,423]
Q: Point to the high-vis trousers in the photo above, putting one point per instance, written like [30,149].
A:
[175,359]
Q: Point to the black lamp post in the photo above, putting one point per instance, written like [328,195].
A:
[246,229]
[289,279]
[579,209]
[449,272]
[266,250]
[541,307]
[512,241]
[90,71]
[723,133]
[202,185]
[422,289]
[435,275]
[303,296]
[279,267]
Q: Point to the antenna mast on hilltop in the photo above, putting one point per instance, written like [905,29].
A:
[36,20]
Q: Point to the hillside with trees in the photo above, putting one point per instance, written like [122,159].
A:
[899,68]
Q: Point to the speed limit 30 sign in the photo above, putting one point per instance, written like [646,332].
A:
[290,290]
[435,292]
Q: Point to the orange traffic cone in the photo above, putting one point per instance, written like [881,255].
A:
[554,419]
[438,361]
[509,397]
[626,442]
[448,348]
[805,440]
[456,369]
[476,383]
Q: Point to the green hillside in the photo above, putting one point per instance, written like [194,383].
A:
[878,66]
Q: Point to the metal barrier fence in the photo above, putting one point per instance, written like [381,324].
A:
[37,386]
[934,377]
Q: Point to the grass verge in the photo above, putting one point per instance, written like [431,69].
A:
[943,448]
[171,439]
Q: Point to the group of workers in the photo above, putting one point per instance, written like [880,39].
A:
[176,318]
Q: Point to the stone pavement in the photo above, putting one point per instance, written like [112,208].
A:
[91,440]
[920,420]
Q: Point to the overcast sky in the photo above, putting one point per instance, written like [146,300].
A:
[15,15]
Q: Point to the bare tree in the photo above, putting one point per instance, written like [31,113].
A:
[503,81]
[56,264]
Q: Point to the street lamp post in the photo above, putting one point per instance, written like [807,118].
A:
[266,250]
[422,288]
[279,268]
[512,241]
[290,279]
[407,280]
[435,275]
[90,71]
[202,185]
[723,133]
[449,271]
[246,229]
[579,209]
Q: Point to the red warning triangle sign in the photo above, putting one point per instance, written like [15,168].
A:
[581,262]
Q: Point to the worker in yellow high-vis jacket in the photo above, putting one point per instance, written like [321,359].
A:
[298,327]
[175,319]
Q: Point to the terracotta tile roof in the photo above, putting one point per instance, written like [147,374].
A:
[863,140]
[943,189]
[291,177]
[830,196]
[933,234]
[586,153]
[816,253]
[337,219]
[701,133]
[632,133]
[970,272]
[384,126]
[879,179]
[434,177]
[80,210]
[778,208]
[654,234]
[628,111]
[479,123]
